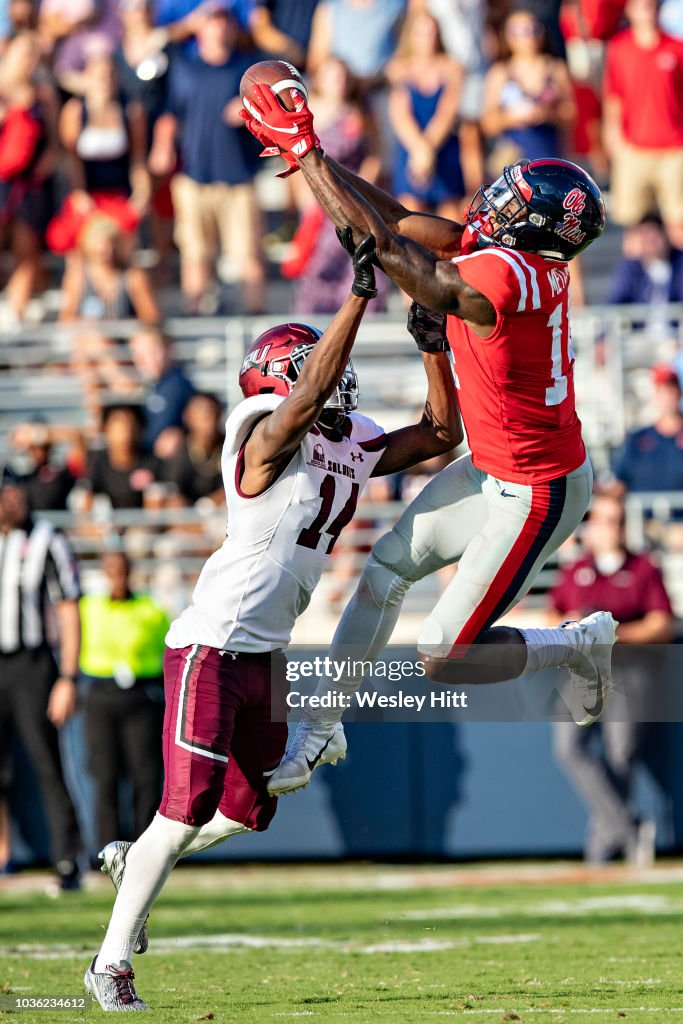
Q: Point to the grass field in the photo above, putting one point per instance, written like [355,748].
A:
[365,944]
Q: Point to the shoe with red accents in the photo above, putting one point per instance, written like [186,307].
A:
[113,988]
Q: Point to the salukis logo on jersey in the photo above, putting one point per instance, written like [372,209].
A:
[319,460]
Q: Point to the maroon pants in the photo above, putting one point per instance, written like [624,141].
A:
[220,741]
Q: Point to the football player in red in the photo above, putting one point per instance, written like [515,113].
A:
[502,282]
[296,458]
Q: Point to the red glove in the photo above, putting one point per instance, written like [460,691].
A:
[269,149]
[290,130]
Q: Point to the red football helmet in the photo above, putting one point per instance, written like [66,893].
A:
[273,363]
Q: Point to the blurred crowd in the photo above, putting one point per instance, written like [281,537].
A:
[121,144]
[126,171]
[130,188]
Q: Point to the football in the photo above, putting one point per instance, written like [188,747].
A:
[280,76]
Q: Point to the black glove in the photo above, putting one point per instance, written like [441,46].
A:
[428,328]
[362,257]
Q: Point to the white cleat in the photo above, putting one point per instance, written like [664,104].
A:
[313,744]
[590,667]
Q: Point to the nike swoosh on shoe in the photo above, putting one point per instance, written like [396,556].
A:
[313,763]
[596,710]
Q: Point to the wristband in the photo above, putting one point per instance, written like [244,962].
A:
[433,346]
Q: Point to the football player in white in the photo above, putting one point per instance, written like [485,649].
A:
[296,458]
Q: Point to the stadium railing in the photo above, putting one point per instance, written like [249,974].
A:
[170,546]
[613,345]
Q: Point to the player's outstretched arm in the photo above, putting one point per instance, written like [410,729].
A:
[278,434]
[439,429]
[418,270]
[443,236]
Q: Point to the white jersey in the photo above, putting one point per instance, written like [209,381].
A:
[251,591]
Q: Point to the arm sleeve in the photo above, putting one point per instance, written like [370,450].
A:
[507,281]
[61,570]
[654,596]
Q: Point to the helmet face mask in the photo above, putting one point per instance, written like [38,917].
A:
[498,206]
[549,207]
[344,398]
[274,361]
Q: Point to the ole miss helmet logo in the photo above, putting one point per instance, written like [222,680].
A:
[570,228]
[575,201]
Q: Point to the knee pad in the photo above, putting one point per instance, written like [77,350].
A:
[382,576]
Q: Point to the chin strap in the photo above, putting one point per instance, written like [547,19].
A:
[331,418]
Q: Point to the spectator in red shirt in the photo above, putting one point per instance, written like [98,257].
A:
[610,576]
[643,116]
[601,17]
[27,158]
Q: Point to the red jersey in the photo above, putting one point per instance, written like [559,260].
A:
[649,85]
[516,387]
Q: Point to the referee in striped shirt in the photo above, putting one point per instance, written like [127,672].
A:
[38,577]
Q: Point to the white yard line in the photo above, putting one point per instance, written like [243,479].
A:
[221,943]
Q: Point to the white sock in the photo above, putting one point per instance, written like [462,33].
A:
[214,832]
[548,648]
[149,863]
